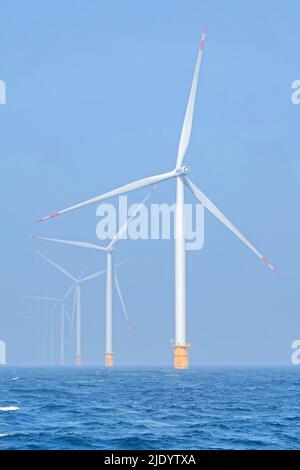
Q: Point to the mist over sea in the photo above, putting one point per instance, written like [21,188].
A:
[96,408]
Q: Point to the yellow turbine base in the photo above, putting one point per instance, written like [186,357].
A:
[78,360]
[181,357]
[109,359]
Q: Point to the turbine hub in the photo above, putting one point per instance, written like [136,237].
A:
[183,170]
[186,170]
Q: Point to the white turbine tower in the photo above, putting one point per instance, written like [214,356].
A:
[77,299]
[180,173]
[63,313]
[110,274]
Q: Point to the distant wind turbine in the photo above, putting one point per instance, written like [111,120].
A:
[48,332]
[110,275]
[77,286]
[58,301]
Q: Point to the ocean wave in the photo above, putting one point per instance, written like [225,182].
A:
[148,410]
[9,408]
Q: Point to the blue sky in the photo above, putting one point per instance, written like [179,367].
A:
[96,95]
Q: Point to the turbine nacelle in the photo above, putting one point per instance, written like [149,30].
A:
[187,170]
[183,170]
[110,249]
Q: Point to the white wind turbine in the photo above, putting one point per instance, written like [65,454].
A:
[47,313]
[78,281]
[63,313]
[110,274]
[180,173]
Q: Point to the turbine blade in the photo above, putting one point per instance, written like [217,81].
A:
[120,264]
[68,292]
[64,293]
[84,270]
[57,266]
[121,298]
[188,119]
[93,276]
[36,297]
[219,215]
[138,184]
[127,222]
[69,242]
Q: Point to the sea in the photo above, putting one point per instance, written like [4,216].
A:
[153,408]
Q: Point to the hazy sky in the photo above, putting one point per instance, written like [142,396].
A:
[96,95]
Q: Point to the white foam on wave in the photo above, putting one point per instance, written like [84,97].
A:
[4,434]
[9,408]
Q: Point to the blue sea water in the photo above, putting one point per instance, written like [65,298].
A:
[203,408]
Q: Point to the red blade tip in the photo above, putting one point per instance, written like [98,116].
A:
[55,214]
[203,39]
[267,263]
[42,219]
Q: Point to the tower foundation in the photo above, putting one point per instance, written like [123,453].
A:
[109,359]
[78,360]
[181,357]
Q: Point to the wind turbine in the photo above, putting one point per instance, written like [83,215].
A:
[57,301]
[180,172]
[78,281]
[47,313]
[110,274]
